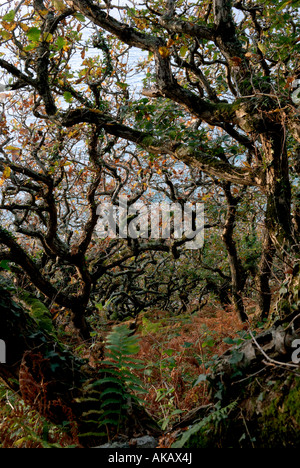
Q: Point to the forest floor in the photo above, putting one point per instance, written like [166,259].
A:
[177,352]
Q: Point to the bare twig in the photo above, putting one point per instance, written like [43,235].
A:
[270,360]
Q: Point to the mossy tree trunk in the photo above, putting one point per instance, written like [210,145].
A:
[238,275]
[277,186]
[264,276]
[281,237]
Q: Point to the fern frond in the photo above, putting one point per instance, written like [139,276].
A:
[105,380]
[114,422]
[109,401]
[117,378]
[93,434]
[108,391]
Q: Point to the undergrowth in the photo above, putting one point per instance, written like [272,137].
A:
[23,427]
[179,352]
[163,364]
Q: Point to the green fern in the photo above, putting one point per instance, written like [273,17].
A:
[214,418]
[119,385]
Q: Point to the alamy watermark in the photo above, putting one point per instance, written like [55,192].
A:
[296,94]
[152,221]
[296,353]
[2,352]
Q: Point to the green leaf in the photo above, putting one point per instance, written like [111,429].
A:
[5,34]
[9,17]
[34,34]
[61,42]
[201,378]
[111,412]
[122,85]
[183,51]
[30,47]
[204,424]
[68,96]
[187,344]
[80,17]
[114,422]
[209,343]
[105,370]
[5,265]
[236,357]
[262,47]
[93,434]
[229,341]
[283,4]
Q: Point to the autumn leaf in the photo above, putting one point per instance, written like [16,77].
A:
[47,37]
[13,150]
[170,42]
[236,61]
[59,5]
[262,47]
[183,51]
[140,23]
[5,34]
[164,52]
[9,26]
[24,27]
[61,43]
[6,173]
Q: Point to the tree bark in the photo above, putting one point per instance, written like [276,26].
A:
[278,188]
[264,276]
[236,269]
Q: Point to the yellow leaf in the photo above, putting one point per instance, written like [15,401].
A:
[12,149]
[262,47]
[59,5]
[6,172]
[24,27]
[47,37]
[140,23]
[171,42]
[20,441]
[9,26]
[5,35]
[164,52]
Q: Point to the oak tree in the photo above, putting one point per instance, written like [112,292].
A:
[216,118]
